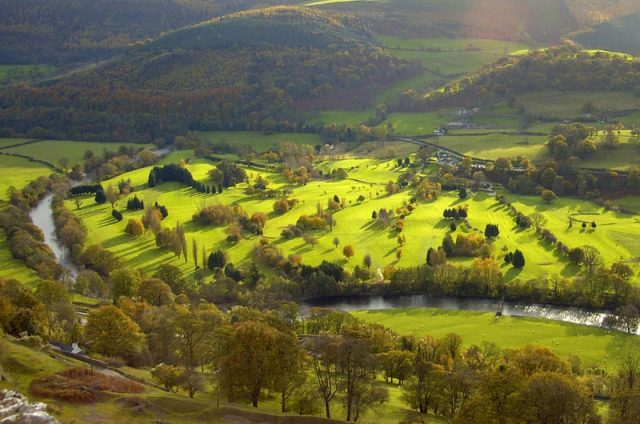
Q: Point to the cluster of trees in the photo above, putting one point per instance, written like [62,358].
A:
[470,245]
[228,174]
[283,205]
[460,212]
[69,228]
[111,163]
[515,258]
[135,204]
[85,189]
[171,172]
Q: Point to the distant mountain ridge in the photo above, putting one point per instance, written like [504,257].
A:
[622,34]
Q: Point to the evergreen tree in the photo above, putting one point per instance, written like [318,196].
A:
[518,259]
[100,197]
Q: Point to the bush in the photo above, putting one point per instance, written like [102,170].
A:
[116,214]
[134,227]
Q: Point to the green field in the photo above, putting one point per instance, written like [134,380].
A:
[497,145]
[261,142]
[559,105]
[24,71]
[593,345]
[17,172]
[54,150]
[616,234]
[424,227]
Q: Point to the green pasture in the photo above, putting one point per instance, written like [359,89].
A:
[261,142]
[416,123]
[17,172]
[6,142]
[616,235]
[568,105]
[24,71]
[54,150]
[593,345]
[339,116]
[424,227]
[496,145]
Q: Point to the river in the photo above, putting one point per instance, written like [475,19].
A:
[552,312]
[42,216]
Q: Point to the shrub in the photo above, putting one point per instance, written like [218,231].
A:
[134,227]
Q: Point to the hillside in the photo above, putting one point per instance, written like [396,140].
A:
[253,70]
[565,69]
[621,34]
[539,21]
[57,31]
[593,12]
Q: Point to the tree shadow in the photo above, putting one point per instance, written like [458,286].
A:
[513,273]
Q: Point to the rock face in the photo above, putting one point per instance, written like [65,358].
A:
[16,409]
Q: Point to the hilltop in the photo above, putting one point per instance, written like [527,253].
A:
[252,70]
[621,34]
[58,31]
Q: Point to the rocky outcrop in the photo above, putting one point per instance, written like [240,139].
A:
[16,409]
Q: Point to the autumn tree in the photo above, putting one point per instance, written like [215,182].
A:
[252,358]
[324,364]
[348,251]
[548,196]
[112,195]
[112,333]
[124,282]
[156,292]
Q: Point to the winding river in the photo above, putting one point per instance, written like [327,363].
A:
[42,216]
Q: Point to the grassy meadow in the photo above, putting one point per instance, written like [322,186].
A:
[593,345]
[54,150]
[17,172]
[261,142]
[568,105]
[424,228]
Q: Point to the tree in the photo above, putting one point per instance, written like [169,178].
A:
[448,245]
[78,203]
[100,197]
[191,335]
[366,261]
[134,227]
[194,252]
[590,257]
[462,192]
[518,259]
[552,397]
[491,231]
[173,276]
[629,317]
[548,196]
[252,358]
[110,332]
[124,282]
[216,259]
[288,371]
[112,195]
[168,376]
[324,364]
[348,251]
[156,292]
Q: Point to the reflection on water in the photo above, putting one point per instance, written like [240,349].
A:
[552,312]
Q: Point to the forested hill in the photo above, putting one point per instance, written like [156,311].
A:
[562,68]
[282,26]
[57,31]
[621,34]
[253,70]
